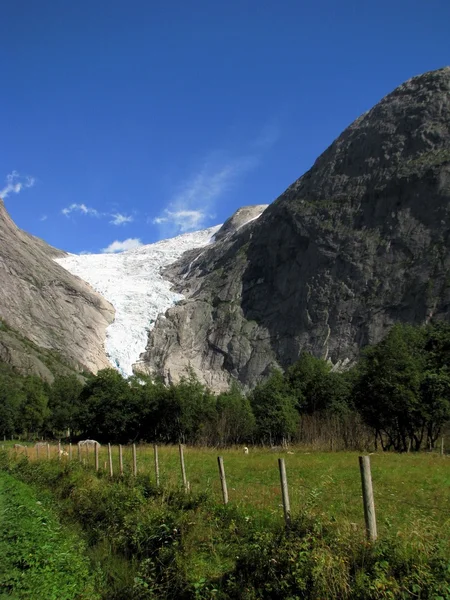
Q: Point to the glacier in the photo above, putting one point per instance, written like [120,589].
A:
[132,282]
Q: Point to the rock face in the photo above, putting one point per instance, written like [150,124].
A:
[45,304]
[359,242]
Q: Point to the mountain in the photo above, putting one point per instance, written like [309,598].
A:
[359,242]
[132,281]
[46,314]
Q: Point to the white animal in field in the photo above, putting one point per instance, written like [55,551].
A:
[88,443]
[63,453]
[19,447]
[245,450]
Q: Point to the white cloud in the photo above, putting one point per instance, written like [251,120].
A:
[119,219]
[193,204]
[192,207]
[183,220]
[82,208]
[117,246]
[43,218]
[15,183]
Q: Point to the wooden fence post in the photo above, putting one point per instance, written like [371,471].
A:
[183,468]
[37,452]
[59,449]
[284,491]
[48,451]
[369,504]
[96,449]
[223,479]
[155,453]
[110,460]
[121,459]
[79,451]
[442,446]
[134,460]
[70,451]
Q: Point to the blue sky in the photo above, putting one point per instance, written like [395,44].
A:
[139,120]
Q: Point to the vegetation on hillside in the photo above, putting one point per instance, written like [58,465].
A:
[398,396]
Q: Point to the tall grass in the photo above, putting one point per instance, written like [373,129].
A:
[163,543]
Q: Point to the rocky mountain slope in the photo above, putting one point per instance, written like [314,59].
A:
[42,306]
[359,242]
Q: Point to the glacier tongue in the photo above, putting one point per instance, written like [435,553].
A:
[132,282]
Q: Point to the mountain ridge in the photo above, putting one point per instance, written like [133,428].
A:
[43,303]
[359,242]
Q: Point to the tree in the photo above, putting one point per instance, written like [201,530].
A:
[387,392]
[274,408]
[64,398]
[33,410]
[235,418]
[105,408]
[316,387]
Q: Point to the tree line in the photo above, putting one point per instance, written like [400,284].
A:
[398,392]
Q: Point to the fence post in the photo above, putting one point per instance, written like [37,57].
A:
[96,456]
[442,446]
[59,449]
[223,479]
[183,469]
[110,460]
[134,460]
[369,504]
[121,459]
[48,451]
[79,451]
[70,450]
[284,491]
[155,453]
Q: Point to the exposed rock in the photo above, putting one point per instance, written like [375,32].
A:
[47,305]
[359,242]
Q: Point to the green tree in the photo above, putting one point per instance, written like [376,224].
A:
[106,408]
[274,408]
[33,410]
[235,418]
[64,398]
[388,388]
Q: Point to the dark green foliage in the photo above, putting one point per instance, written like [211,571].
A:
[235,418]
[403,386]
[400,389]
[105,408]
[274,406]
[64,398]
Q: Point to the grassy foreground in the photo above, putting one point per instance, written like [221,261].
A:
[161,543]
[39,558]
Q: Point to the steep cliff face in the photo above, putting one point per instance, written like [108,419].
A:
[359,242]
[43,303]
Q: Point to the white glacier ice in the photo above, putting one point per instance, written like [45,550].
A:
[132,282]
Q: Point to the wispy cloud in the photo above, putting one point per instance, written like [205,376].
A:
[81,208]
[193,205]
[43,218]
[182,220]
[116,246]
[15,183]
[119,219]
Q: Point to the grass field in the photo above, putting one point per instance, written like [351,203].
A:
[409,489]
[39,558]
[168,544]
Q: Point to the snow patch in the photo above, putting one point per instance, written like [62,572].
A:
[133,283]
